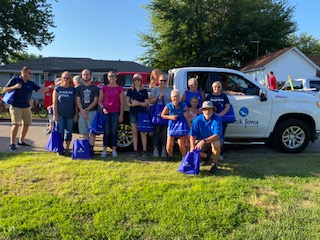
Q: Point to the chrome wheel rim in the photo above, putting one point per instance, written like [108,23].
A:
[293,137]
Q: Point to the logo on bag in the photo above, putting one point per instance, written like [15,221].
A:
[80,150]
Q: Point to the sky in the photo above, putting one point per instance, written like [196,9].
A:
[108,29]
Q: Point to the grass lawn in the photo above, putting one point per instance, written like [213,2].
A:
[256,196]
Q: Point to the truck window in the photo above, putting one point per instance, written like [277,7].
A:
[316,85]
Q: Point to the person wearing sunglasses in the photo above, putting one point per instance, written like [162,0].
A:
[111,101]
[64,109]
[193,92]
[20,111]
[154,78]
[163,92]
[138,100]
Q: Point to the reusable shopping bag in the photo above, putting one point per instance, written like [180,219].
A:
[229,116]
[98,124]
[144,122]
[55,142]
[81,149]
[9,97]
[179,127]
[156,111]
[190,164]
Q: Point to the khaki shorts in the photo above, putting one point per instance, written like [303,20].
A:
[20,115]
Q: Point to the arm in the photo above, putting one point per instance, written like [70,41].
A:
[203,96]
[165,115]
[128,101]
[46,89]
[192,142]
[225,110]
[183,98]
[121,107]
[55,105]
[186,115]
[14,87]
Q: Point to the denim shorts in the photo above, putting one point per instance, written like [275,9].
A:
[84,124]
[133,118]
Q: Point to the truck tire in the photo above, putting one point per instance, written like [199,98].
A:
[292,136]
[125,137]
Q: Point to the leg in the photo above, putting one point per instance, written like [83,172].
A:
[182,145]
[170,143]
[155,137]
[107,130]
[144,140]
[216,149]
[26,121]
[114,130]
[69,128]
[14,133]
[135,136]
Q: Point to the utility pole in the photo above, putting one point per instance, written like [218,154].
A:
[256,42]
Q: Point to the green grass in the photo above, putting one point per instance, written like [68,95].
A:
[256,196]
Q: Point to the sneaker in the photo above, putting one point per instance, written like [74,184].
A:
[163,153]
[60,153]
[104,153]
[23,144]
[168,159]
[134,154]
[67,152]
[145,154]
[12,147]
[220,158]
[155,153]
[114,154]
[213,168]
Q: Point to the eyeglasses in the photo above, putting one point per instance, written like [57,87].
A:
[66,78]
[30,73]
[192,85]
[112,76]
[163,80]
[216,87]
[137,79]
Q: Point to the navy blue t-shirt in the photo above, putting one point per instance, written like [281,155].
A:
[218,101]
[22,96]
[140,96]
[66,101]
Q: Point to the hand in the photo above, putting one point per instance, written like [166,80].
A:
[174,117]
[105,111]
[200,145]
[120,118]
[18,86]
[135,103]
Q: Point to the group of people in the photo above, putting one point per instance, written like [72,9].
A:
[79,103]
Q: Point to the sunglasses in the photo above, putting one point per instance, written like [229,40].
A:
[112,76]
[163,80]
[30,73]
[137,79]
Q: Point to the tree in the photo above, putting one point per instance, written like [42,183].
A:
[307,44]
[23,23]
[214,32]
[21,56]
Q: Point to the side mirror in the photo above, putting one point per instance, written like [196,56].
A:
[263,95]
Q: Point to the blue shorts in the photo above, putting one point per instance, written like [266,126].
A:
[84,124]
[133,118]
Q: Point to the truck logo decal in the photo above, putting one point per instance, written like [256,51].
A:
[243,112]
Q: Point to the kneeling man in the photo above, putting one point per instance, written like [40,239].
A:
[206,134]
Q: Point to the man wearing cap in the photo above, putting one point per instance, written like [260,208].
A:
[20,109]
[206,134]
[87,102]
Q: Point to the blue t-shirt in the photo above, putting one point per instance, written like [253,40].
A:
[22,96]
[218,101]
[201,128]
[175,111]
[190,95]
[139,96]
[66,101]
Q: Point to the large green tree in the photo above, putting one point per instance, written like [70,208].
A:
[23,23]
[214,32]
[306,43]
[22,56]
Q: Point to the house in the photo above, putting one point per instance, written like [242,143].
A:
[51,67]
[286,62]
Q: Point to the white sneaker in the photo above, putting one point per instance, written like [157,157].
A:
[155,153]
[114,154]
[220,158]
[163,153]
[104,153]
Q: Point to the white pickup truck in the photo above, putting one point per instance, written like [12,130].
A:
[286,120]
[303,85]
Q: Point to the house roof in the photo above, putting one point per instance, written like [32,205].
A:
[270,57]
[315,59]
[59,64]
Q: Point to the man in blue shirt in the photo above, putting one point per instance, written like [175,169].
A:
[206,133]
[20,109]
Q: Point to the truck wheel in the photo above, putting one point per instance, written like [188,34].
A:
[292,136]
[125,138]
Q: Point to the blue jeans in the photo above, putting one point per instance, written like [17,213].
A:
[111,129]
[65,128]
[159,131]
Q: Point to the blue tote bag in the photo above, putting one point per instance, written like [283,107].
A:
[179,127]
[190,164]
[229,116]
[9,97]
[156,111]
[98,124]
[55,142]
[144,122]
[81,149]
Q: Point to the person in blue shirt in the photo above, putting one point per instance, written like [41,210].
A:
[193,92]
[206,134]
[20,111]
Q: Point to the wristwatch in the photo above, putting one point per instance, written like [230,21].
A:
[205,141]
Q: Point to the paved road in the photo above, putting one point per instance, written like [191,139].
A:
[38,140]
